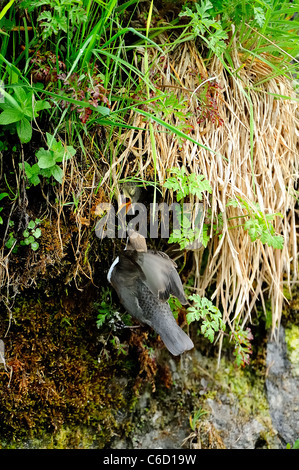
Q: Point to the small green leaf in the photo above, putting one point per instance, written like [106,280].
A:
[34,180]
[26,233]
[10,242]
[2,195]
[46,158]
[8,116]
[37,233]
[50,140]
[40,105]
[20,94]
[57,173]
[70,152]
[34,246]
[31,224]
[24,130]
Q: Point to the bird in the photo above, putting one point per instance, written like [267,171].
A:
[132,192]
[144,280]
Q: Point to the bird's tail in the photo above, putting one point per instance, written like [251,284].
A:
[176,340]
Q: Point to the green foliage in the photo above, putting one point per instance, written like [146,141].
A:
[57,15]
[104,307]
[19,109]
[242,349]
[259,224]
[210,315]
[11,242]
[188,233]
[48,160]
[196,417]
[30,236]
[175,306]
[120,348]
[294,446]
[204,26]
[259,16]
[184,184]
[2,195]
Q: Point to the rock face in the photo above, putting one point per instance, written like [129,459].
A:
[282,385]
[237,430]
[242,410]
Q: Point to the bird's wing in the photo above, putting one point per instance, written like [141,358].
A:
[126,273]
[161,276]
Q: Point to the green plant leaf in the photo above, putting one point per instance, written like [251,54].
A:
[70,152]
[57,173]
[31,172]
[10,115]
[34,246]
[21,95]
[29,240]
[24,130]
[31,225]
[37,233]
[10,242]
[40,105]
[2,195]
[50,140]
[46,158]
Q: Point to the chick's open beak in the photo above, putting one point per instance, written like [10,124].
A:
[127,205]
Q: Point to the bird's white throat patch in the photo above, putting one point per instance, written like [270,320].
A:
[111,268]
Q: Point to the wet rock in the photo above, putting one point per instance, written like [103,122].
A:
[282,385]
[238,430]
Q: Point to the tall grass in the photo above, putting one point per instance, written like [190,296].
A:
[254,154]
[246,146]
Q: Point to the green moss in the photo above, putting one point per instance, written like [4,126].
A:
[242,384]
[55,390]
[292,341]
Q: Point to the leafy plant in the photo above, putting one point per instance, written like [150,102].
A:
[19,109]
[294,446]
[60,15]
[11,240]
[120,348]
[258,224]
[104,308]
[204,26]
[2,195]
[189,235]
[175,306]
[242,348]
[48,160]
[210,315]
[87,89]
[183,185]
[195,417]
[30,236]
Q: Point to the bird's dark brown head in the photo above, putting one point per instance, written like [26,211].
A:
[136,242]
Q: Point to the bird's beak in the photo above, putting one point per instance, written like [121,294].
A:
[127,205]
